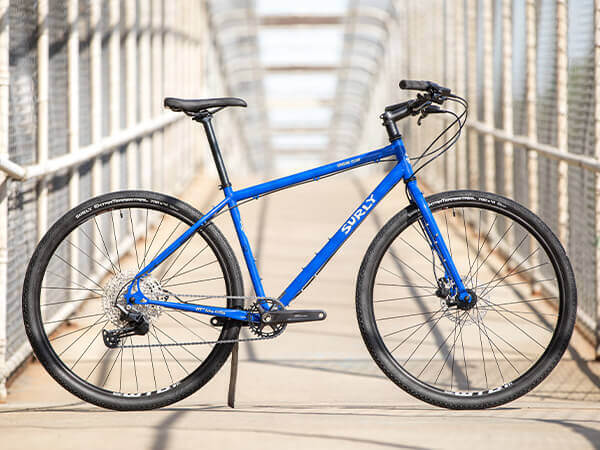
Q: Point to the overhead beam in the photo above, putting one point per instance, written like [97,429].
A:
[299,68]
[286,21]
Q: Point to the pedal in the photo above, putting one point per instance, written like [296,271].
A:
[294,316]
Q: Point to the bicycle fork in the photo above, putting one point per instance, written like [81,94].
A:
[438,245]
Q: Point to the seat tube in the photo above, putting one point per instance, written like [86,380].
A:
[436,239]
[244,244]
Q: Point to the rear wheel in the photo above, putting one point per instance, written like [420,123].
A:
[77,277]
[484,355]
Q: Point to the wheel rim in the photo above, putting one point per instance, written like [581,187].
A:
[489,347]
[88,269]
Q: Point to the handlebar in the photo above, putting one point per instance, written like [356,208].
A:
[421,85]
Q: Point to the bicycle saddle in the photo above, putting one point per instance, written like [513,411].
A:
[197,105]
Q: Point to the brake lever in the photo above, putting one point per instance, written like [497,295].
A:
[429,109]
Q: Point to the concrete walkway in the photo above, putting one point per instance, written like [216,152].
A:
[316,386]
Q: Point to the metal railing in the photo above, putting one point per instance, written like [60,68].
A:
[81,89]
[531,72]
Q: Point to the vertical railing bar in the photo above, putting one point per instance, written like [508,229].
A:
[145,164]
[460,89]
[488,97]
[507,96]
[561,120]
[73,118]
[42,116]
[4,117]
[114,94]
[157,93]
[531,108]
[473,136]
[597,176]
[131,90]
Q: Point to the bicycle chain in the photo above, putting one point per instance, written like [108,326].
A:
[224,341]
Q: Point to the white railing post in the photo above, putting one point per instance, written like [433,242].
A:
[42,119]
[507,96]
[4,80]
[531,100]
[131,90]
[488,97]
[473,136]
[157,91]
[73,118]
[561,121]
[597,154]
[460,89]
[114,65]
[145,163]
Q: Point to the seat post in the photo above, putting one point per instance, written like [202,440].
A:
[205,117]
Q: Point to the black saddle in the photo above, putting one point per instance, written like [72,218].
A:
[201,104]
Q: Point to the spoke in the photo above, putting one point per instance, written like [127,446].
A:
[487,385]
[493,307]
[119,353]
[145,240]
[413,286]
[192,282]
[186,264]
[434,355]
[186,327]
[90,257]
[404,298]
[478,240]
[420,275]
[88,328]
[450,350]
[448,233]
[531,300]
[518,327]
[466,240]
[98,363]
[191,316]
[431,319]
[115,270]
[500,239]
[181,250]
[486,289]
[116,242]
[78,271]
[191,270]
[169,352]
[95,291]
[468,277]
[165,242]
[89,345]
[423,340]
[137,385]
[152,362]
[74,282]
[73,318]
[421,326]
[146,251]
[174,341]
[512,274]
[462,343]
[486,328]
[164,358]
[507,260]
[407,315]
[75,331]
[121,366]
[69,301]
[429,260]
[518,283]
[137,259]
[489,342]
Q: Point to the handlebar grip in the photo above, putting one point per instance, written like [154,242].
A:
[415,85]
[430,86]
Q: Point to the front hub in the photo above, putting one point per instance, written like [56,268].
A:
[468,302]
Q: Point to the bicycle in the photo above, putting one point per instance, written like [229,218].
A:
[114,308]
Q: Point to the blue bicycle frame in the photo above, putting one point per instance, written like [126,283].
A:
[401,171]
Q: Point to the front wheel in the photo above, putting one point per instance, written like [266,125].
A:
[501,346]
[74,287]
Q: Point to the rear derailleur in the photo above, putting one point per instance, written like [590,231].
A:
[137,324]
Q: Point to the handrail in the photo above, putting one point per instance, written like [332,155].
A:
[549,151]
[87,153]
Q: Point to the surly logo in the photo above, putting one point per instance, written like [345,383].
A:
[361,211]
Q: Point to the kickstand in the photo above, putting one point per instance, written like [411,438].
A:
[233,376]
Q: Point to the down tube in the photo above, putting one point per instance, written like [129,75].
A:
[334,243]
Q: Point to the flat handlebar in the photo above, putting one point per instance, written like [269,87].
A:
[421,85]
